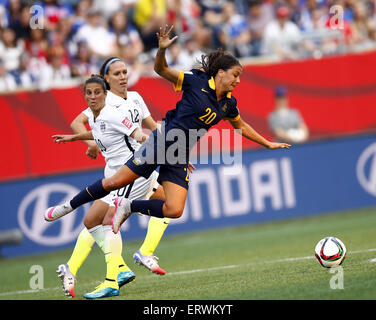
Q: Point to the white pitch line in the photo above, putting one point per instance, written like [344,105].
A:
[18,292]
[27,291]
[201,270]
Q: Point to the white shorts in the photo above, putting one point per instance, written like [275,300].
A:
[139,189]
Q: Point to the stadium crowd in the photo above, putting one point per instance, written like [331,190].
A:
[48,43]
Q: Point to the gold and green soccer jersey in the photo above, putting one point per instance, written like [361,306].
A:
[199,108]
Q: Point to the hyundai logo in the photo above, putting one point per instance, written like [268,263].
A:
[31,215]
[366,169]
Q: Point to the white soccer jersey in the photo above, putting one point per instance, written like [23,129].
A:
[134,108]
[109,130]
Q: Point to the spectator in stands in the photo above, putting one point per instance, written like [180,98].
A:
[55,73]
[211,18]
[361,27]
[53,12]
[7,81]
[281,36]
[14,9]
[183,15]
[128,6]
[72,3]
[135,67]
[273,29]
[302,15]
[10,51]
[21,25]
[176,57]
[131,47]
[211,12]
[60,40]
[37,44]
[317,20]
[259,15]
[341,21]
[286,123]
[101,42]
[295,7]
[108,8]
[188,17]
[83,64]
[37,50]
[26,79]
[194,53]
[233,34]
[241,6]
[317,39]
[4,22]
[80,15]
[372,36]
[125,33]
[148,16]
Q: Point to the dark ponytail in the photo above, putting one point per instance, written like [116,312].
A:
[216,60]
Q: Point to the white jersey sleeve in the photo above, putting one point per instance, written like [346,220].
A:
[87,112]
[124,125]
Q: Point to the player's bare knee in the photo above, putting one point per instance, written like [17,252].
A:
[89,222]
[177,214]
[173,212]
[107,220]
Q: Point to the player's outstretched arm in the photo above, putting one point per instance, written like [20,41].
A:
[160,64]
[58,138]
[149,123]
[248,132]
[78,125]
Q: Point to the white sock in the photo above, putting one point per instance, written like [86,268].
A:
[112,241]
[98,234]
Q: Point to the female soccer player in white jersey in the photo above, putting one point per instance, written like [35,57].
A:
[133,107]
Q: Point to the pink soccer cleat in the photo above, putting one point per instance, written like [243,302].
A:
[54,213]
[122,213]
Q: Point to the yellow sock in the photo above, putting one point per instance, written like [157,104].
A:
[112,249]
[123,267]
[112,271]
[156,228]
[81,250]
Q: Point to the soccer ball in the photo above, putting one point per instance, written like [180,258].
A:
[330,252]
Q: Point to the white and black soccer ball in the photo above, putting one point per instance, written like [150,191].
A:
[330,252]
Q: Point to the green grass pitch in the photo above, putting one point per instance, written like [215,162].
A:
[270,261]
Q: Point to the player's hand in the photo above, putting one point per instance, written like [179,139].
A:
[164,37]
[92,151]
[191,167]
[278,145]
[58,138]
